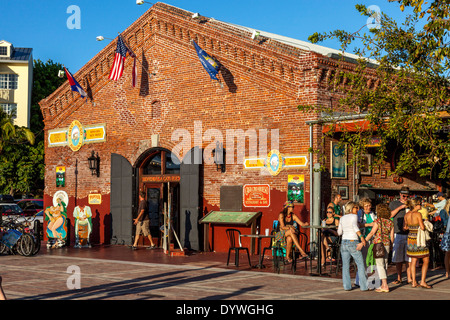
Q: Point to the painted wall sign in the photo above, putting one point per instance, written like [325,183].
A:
[296,188]
[76,135]
[57,138]
[254,163]
[95,198]
[275,162]
[374,142]
[60,176]
[160,178]
[256,195]
[338,161]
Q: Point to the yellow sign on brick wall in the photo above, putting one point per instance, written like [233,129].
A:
[77,135]
[275,162]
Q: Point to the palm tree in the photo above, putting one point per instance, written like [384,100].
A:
[10,133]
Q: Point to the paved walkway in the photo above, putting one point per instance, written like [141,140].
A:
[117,273]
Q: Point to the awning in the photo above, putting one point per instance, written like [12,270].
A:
[351,126]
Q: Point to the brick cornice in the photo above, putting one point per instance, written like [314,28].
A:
[272,64]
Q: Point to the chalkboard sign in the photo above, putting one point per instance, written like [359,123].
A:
[230,217]
[231,198]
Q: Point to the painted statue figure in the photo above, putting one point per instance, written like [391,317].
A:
[83,226]
[57,227]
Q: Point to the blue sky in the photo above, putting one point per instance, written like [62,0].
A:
[43,24]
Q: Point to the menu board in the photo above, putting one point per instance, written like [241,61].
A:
[230,217]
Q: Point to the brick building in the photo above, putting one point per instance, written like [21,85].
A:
[177,112]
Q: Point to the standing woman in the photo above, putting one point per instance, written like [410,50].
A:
[366,218]
[351,244]
[413,221]
[287,218]
[382,232]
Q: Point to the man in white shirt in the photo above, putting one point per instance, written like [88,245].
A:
[440,205]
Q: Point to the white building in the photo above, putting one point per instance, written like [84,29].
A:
[16,82]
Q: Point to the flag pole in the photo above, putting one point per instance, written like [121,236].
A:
[135,57]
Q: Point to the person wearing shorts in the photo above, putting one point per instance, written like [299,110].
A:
[142,222]
[399,256]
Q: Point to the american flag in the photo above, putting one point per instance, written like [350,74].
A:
[119,60]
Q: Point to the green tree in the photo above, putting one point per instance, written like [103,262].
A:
[45,81]
[399,85]
[22,165]
[10,133]
[11,137]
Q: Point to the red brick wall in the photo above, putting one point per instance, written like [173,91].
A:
[262,86]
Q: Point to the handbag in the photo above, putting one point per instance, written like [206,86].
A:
[379,250]
[445,242]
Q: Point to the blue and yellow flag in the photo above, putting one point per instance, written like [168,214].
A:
[208,62]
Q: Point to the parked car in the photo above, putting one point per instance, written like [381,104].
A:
[31,206]
[6,198]
[7,209]
[29,219]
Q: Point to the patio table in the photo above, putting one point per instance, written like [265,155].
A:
[260,264]
[319,250]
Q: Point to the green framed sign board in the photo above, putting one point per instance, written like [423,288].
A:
[230,217]
[240,218]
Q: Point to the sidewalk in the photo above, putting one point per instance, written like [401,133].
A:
[119,273]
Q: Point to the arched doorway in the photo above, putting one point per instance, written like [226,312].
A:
[159,177]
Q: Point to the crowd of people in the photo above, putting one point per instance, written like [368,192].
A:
[398,231]
[401,228]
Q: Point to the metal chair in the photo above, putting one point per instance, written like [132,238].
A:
[270,247]
[234,241]
[278,248]
[335,254]
[302,239]
[279,251]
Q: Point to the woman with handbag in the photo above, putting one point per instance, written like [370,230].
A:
[413,221]
[383,235]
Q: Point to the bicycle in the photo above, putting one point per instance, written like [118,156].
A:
[35,232]
[15,238]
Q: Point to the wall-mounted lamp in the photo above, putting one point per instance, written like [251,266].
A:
[101,38]
[255,34]
[219,157]
[139,2]
[94,164]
